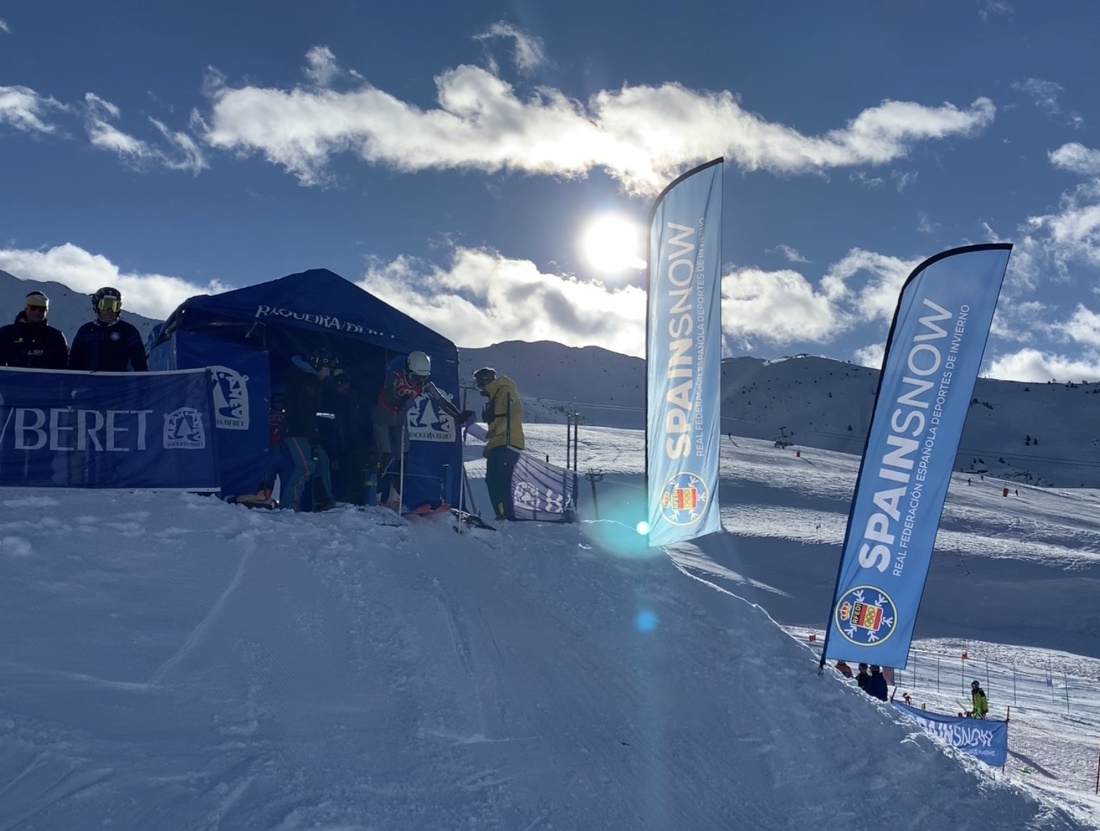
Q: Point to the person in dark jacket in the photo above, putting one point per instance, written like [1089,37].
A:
[108,343]
[350,439]
[30,341]
[303,399]
[862,677]
[876,684]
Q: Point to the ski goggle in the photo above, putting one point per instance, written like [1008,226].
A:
[109,304]
[416,376]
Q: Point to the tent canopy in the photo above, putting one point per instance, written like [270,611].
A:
[252,333]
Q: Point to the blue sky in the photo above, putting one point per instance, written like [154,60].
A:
[451,162]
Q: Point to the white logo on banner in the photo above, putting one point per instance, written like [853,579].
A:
[427,423]
[183,430]
[230,398]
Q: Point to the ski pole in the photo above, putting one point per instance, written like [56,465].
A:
[469,490]
[401,474]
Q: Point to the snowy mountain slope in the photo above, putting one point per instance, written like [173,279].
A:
[814,401]
[175,662]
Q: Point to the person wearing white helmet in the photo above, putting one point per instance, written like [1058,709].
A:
[407,378]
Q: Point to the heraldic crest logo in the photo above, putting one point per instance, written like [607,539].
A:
[683,498]
[866,615]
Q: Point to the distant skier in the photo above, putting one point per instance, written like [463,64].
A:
[979,704]
[843,668]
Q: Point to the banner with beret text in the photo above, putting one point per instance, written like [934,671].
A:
[683,357]
[933,354]
[107,429]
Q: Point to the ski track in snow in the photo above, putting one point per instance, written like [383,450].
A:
[345,670]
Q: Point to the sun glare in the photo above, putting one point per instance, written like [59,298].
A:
[612,244]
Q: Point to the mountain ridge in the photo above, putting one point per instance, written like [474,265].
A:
[803,400]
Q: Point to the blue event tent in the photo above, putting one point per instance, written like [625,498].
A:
[249,336]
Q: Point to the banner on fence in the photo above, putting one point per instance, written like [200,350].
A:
[984,739]
[541,491]
[107,429]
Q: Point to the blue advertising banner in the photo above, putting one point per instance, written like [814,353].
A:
[984,739]
[541,491]
[107,429]
[933,354]
[683,357]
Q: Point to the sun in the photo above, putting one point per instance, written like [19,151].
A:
[611,244]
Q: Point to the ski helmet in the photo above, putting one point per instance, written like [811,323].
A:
[107,299]
[485,375]
[319,358]
[974,685]
[418,365]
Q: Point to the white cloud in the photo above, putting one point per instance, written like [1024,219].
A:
[185,155]
[4,27]
[643,136]
[1073,234]
[988,8]
[152,295]
[925,225]
[1045,94]
[1077,158]
[792,254]
[1040,367]
[26,110]
[877,298]
[870,355]
[484,298]
[779,307]
[481,298]
[903,180]
[1083,327]
[528,52]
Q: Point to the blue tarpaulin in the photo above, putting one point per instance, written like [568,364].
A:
[249,337]
[985,739]
[107,430]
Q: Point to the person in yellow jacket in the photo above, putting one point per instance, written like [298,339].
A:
[503,414]
[979,703]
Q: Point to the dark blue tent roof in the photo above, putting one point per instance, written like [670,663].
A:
[317,300]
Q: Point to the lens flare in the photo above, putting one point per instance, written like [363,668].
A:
[645,620]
